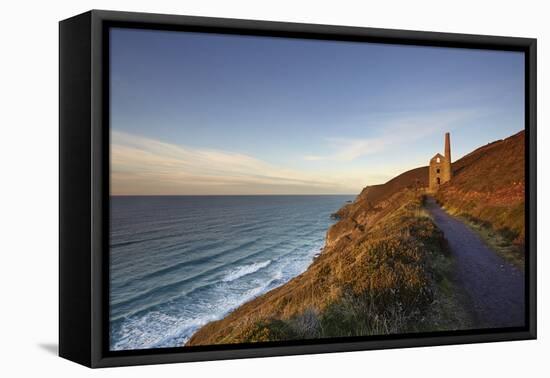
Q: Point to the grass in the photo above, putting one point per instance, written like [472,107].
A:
[502,242]
[450,309]
[506,220]
[366,314]
[488,194]
[507,239]
[392,277]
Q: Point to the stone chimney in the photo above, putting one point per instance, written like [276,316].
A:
[448,146]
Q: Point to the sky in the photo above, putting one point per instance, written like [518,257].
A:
[211,114]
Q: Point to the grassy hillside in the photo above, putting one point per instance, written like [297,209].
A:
[488,190]
[374,277]
[413,179]
[372,203]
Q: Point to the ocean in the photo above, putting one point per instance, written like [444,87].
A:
[179,262]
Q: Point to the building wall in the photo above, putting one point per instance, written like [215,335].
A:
[444,174]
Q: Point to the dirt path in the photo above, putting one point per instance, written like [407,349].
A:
[495,287]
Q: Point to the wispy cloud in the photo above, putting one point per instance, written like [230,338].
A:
[147,166]
[393,133]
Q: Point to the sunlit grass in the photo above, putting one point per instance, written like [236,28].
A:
[389,279]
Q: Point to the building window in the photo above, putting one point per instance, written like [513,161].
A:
[438,181]
[437,160]
[437,170]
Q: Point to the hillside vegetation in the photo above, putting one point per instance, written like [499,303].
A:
[381,272]
[488,191]
[385,267]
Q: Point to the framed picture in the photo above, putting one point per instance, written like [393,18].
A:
[234,188]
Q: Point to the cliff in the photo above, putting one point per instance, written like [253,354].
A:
[376,275]
[385,266]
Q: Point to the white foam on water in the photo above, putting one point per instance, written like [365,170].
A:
[245,270]
[159,329]
[173,324]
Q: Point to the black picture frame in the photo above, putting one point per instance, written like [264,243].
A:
[84,186]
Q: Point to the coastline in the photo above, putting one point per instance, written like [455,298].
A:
[261,243]
[356,268]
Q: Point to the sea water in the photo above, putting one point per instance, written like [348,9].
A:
[179,262]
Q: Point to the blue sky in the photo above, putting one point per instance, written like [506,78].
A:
[196,113]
